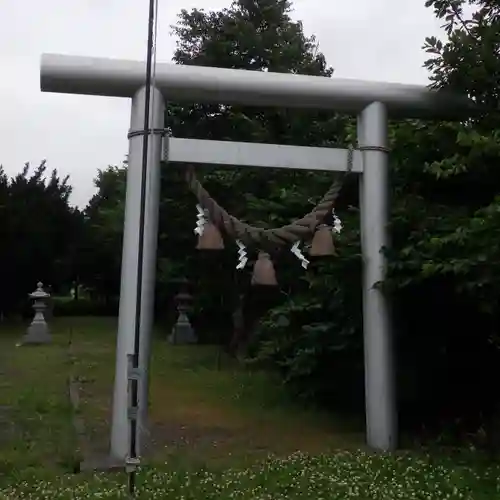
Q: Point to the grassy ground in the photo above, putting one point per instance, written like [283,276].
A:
[212,431]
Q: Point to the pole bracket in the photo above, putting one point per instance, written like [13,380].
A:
[131,464]
[132,412]
[149,131]
[133,372]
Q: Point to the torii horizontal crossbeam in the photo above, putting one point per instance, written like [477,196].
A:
[249,154]
[122,78]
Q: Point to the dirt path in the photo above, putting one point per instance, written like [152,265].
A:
[199,412]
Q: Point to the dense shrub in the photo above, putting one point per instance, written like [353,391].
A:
[84,307]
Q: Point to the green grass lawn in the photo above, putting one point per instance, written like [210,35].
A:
[216,432]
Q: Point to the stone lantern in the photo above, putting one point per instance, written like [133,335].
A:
[182,332]
[38,332]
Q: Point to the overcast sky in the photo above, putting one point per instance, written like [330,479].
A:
[367,39]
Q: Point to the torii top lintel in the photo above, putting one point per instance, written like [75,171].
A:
[122,78]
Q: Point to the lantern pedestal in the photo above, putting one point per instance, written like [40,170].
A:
[38,332]
[182,332]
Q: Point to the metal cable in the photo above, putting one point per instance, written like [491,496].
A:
[144,177]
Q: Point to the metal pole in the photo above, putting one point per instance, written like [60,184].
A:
[120,434]
[381,419]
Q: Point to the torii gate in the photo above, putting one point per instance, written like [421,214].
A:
[373,102]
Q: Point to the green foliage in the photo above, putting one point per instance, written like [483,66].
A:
[39,233]
[251,34]
[468,60]
[461,244]
[84,307]
[100,249]
[314,337]
[342,475]
[232,433]
[259,36]
[443,269]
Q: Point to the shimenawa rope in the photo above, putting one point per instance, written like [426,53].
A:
[300,229]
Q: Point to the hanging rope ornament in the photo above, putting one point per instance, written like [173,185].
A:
[311,226]
[263,271]
[209,237]
[322,244]
[201,220]
[337,223]
[298,253]
[242,255]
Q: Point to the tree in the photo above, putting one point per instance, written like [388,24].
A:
[100,250]
[254,35]
[260,36]
[444,269]
[39,229]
